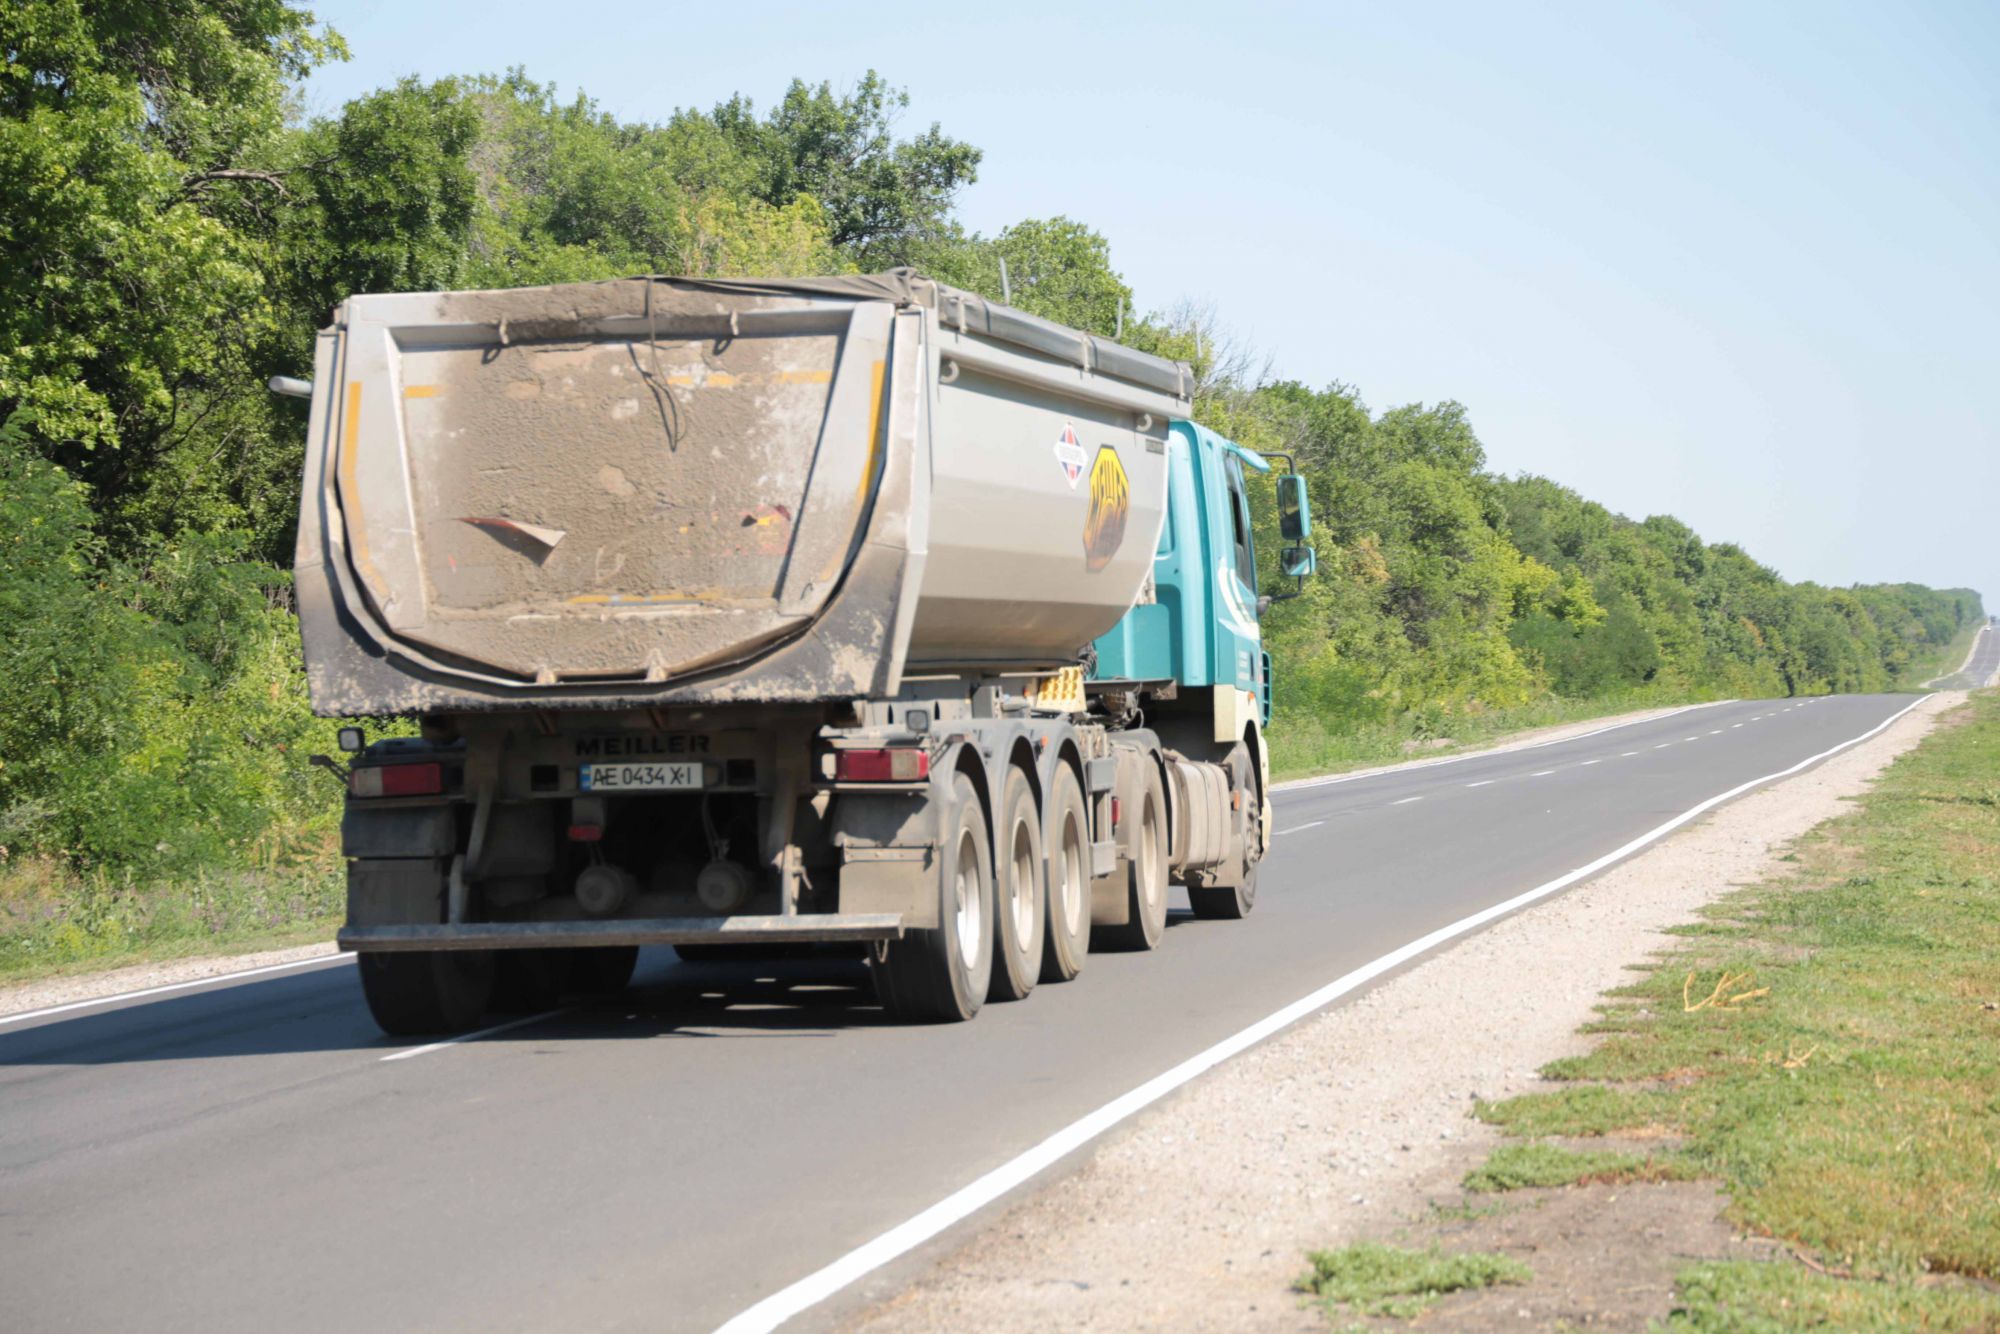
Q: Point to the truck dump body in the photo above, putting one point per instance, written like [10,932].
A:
[660,491]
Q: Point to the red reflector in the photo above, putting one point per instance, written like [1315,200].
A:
[1117,812]
[397,780]
[897,765]
[586,833]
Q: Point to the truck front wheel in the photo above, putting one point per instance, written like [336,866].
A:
[427,991]
[1230,902]
[942,975]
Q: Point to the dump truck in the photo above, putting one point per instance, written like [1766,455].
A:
[741,615]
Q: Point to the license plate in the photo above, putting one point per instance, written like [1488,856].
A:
[637,777]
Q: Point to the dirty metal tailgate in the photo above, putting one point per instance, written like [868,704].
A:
[600,482]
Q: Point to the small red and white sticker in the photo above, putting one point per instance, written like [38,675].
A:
[1069,453]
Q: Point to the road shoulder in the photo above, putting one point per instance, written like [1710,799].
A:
[1198,1214]
[75,988]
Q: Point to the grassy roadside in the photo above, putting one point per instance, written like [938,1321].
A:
[55,921]
[1943,660]
[1304,748]
[1827,1044]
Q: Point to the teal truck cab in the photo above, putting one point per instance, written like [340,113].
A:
[1192,647]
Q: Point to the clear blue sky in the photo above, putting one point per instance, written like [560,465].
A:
[1735,262]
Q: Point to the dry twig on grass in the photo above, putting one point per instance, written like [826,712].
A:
[1721,998]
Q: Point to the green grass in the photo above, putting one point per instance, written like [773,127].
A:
[1468,1212]
[1372,1279]
[1828,1044]
[55,921]
[1746,1297]
[1590,1109]
[1522,1166]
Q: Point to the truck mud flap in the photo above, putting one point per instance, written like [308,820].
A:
[812,927]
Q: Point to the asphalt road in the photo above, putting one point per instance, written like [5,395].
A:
[255,1154]
[1980,665]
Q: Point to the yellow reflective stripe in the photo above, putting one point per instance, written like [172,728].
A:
[350,492]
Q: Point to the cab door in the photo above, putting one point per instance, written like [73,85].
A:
[1238,640]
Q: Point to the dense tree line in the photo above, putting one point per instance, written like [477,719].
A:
[175,232]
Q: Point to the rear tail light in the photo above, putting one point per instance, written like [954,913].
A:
[901,764]
[397,780]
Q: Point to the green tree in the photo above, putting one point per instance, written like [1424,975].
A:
[883,197]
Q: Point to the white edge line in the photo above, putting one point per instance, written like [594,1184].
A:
[1299,784]
[816,1287]
[164,989]
[522,1022]
[1314,824]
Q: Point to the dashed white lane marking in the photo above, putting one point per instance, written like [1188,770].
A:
[975,1195]
[1690,738]
[1663,745]
[1310,824]
[1484,782]
[1405,801]
[1587,763]
[474,1037]
[1716,732]
[1541,773]
[1735,725]
[318,960]
[1293,785]
[1628,754]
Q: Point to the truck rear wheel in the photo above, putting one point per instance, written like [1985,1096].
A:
[1020,914]
[427,991]
[1067,937]
[1145,871]
[941,975]
[601,970]
[528,981]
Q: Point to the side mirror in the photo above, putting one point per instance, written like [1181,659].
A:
[1299,562]
[1294,508]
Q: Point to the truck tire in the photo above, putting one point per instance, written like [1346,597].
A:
[1020,881]
[1225,903]
[1233,902]
[1145,872]
[427,991]
[601,970]
[1066,939]
[529,981]
[941,975]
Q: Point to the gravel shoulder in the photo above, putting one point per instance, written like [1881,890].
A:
[1198,1214]
[70,988]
